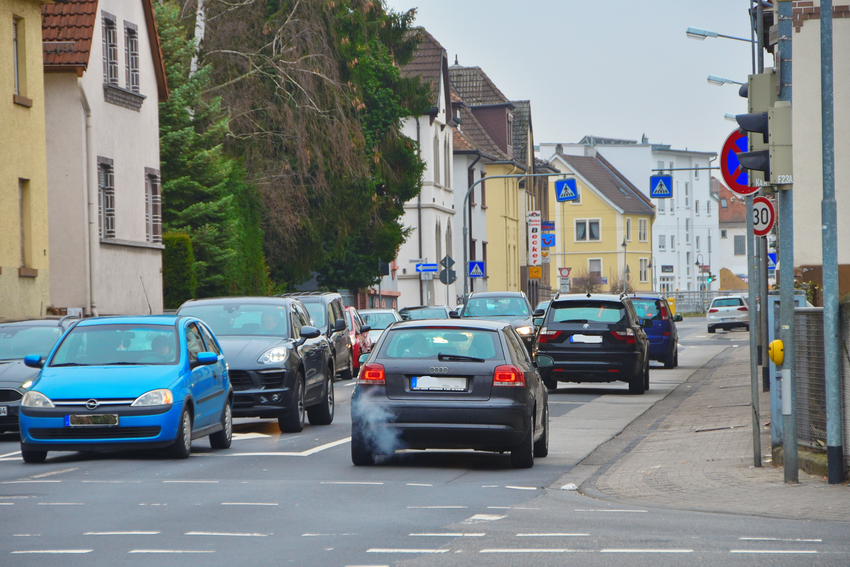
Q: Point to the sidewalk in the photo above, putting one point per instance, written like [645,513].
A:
[688,460]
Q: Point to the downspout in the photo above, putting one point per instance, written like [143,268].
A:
[419,215]
[88,213]
[470,178]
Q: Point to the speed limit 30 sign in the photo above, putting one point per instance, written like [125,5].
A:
[764,215]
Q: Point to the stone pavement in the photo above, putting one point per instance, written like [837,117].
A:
[689,457]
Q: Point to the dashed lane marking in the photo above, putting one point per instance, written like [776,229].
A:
[646,551]
[381,550]
[777,551]
[190,482]
[779,539]
[7,503]
[436,507]
[225,534]
[120,533]
[483,518]
[351,482]
[53,473]
[31,482]
[61,504]
[544,550]
[170,551]
[553,535]
[522,487]
[416,484]
[53,551]
[250,504]
[627,511]
[448,535]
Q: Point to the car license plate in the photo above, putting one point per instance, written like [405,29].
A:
[3,410]
[439,383]
[726,319]
[100,420]
[588,339]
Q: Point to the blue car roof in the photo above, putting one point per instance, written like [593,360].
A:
[133,320]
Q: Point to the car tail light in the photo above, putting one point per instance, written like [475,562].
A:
[546,335]
[665,315]
[372,373]
[627,335]
[743,309]
[508,375]
[713,310]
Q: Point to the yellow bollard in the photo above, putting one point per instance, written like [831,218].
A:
[776,352]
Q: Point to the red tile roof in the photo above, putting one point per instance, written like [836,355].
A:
[427,63]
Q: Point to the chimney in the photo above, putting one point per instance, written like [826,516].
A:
[559,149]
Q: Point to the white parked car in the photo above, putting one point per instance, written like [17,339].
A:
[728,312]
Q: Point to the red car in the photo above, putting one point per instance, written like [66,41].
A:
[360,341]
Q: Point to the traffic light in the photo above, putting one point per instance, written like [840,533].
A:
[710,278]
[760,91]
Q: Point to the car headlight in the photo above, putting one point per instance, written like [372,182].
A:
[33,399]
[525,330]
[276,355]
[161,397]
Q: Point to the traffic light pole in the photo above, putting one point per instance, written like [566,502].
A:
[752,287]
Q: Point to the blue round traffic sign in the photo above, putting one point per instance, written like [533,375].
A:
[734,174]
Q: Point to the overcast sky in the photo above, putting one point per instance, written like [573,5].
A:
[612,68]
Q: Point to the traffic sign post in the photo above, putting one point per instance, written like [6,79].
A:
[661,186]
[566,190]
[764,215]
[736,177]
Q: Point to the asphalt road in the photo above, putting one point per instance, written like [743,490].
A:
[296,499]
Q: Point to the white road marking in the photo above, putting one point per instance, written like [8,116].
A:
[380,550]
[30,482]
[509,508]
[111,481]
[249,504]
[448,535]
[350,482]
[26,535]
[10,454]
[548,550]
[635,511]
[646,551]
[552,535]
[489,486]
[483,518]
[224,534]
[64,551]
[7,503]
[415,484]
[779,551]
[53,473]
[169,551]
[522,487]
[778,539]
[436,507]
[326,535]
[61,504]
[190,482]
[120,533]
[247,436]
[306,453]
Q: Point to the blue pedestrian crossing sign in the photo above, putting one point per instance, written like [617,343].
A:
[566,190]
[771,260]
[661,186]
[476,269]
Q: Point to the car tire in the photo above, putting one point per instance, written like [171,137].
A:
[31,456]
[670,359]
[551,384]
[676,357]
[182,446]
[361,454]
[747,328]
[522,456]
[711,329]
[637,384]
[293,421]
[222,439]
[323,412]
[646,378]
[541,446]
[347,373]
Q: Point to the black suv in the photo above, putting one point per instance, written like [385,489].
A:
[594,338]
[328,314]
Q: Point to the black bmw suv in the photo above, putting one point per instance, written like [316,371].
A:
[594,338]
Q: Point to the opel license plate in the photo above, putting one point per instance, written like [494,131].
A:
[99,420]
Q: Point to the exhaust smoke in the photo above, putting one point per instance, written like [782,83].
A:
[369,419]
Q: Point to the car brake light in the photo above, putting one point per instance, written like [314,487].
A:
[664,314]
[627,335]
[743,309]
[546,335]
[713,310]
[372,373]
[508,375]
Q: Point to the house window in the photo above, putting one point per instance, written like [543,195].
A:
[483,192]
[439,240]
[740,245]
[629,230]
[131,57]
[510,135]
[708,208]
[110,51]
[644,270]
[24,218]
[447,162]
[723,233]
[594,266]
[587,230]
[642,230]
[709,244]
[662,242]
[697,243]
[696,173]
[18,56]
[106,199]
[696,207]
[686,194]
[661,205]
[687,263]
[687,230]
[723,202]
[436,159]
[153,207]
[672,243]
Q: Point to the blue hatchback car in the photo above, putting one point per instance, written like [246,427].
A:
[662,334]
[115,383]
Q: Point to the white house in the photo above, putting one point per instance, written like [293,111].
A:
[685,230]
[104,77]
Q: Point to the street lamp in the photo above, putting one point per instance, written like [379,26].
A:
[651,267]
[625,263]
[720,81]
[699,270]
[698,34]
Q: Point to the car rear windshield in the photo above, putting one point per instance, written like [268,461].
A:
[17,341]
[647,308]
[728,302]
[119,344]
[419,314]
[496,307]
[432,342]
[241,319]
[378,321]
[587,312]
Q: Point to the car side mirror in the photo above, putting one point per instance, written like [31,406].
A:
[310,332]
[33,361]
[207,358]
[340,325]
[454,315]
[365,329]
[678,317]
[363,358]
[544,361]
[539,313]
[538,321]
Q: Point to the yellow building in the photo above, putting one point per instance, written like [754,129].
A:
[24,278]
[504,223]
[604,233]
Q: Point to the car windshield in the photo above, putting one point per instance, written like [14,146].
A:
[378,321]
[17,341]
[118,344]
[240,319]
[728,302]
[449,342]
[419,314]
[318,313]
[587,312]
[496,307]
[647,308]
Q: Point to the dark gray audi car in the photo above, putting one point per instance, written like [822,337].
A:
[458,384]
[279,364]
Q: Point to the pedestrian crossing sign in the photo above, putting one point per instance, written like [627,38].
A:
[476,269]
[661,186]
[771,260]
[566,190]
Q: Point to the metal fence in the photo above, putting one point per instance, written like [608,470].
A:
[698,301]
[811,388]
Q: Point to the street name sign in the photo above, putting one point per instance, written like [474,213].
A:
[661,186]
[764,215]
[566,190]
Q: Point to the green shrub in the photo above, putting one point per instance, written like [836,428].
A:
[178,276]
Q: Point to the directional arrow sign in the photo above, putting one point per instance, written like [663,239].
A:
[566,190]
[426,268]
[476,269]
[661,186]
